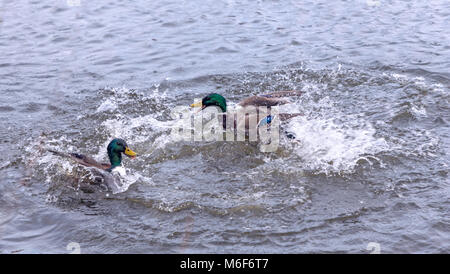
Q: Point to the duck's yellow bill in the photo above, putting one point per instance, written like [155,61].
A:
[130,153]
[196,105]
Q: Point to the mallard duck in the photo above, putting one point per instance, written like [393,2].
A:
[266,100]
[115,149]
[103,171]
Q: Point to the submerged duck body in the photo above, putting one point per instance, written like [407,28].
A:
[115,149]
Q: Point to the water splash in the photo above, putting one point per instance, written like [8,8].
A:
[327,146]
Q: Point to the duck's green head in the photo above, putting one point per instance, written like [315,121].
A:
[115,149]
[212,99]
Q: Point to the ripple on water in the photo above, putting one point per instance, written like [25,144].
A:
[6,109]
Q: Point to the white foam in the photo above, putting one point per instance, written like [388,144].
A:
[399,76]
[326,146]
[107,105]
[418,111]
[120,171]
[121,179]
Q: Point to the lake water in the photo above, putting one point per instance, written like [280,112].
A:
[369,165]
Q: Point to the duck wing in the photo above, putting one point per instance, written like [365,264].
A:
[262,101]
[284,93]
[81,159]
[270,99]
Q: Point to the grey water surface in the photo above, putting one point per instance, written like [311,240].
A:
[369,165]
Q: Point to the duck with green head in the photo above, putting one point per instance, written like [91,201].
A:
[115,149]
[212,99]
